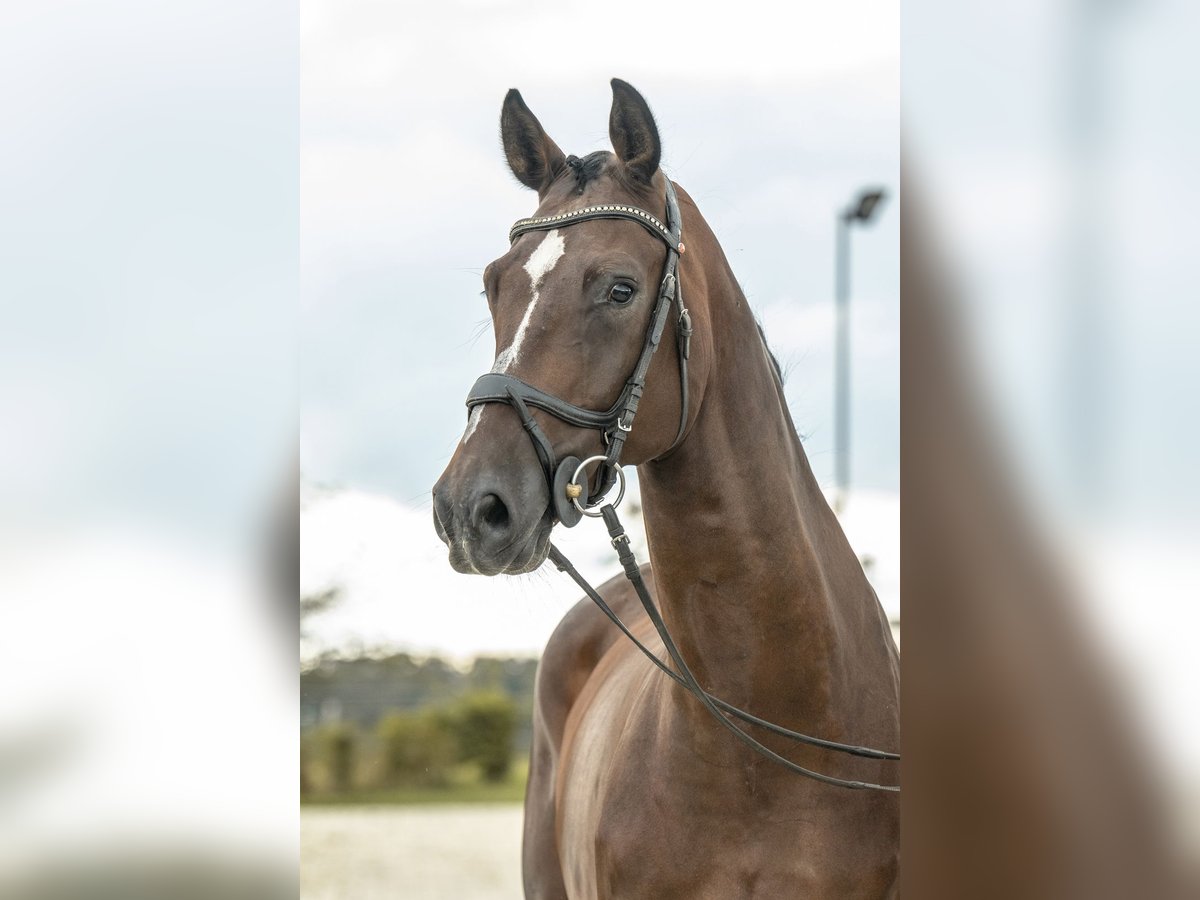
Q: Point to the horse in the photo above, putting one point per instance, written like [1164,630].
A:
[635,790]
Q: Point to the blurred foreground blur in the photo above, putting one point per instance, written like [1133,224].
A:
[1050,518]
[147,412]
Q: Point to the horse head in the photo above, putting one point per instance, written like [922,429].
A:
[572,310]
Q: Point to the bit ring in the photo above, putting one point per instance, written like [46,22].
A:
[574,482]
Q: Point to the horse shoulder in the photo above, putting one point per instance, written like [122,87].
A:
[574,650]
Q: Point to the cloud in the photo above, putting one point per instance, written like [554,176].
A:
[399,590]
[358,48]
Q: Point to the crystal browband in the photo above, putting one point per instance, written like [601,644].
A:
[606,211]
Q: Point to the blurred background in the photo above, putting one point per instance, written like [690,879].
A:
[148,273]
[154,366]
[774,129]
[1051,519]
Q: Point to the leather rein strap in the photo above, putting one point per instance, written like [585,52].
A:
[684,677]
[615,424]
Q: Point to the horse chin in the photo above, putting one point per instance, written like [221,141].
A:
[533,551]
[525,556]
[533,554]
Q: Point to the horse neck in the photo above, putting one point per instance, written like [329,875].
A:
[757,583]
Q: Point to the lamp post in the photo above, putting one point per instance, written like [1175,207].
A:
[860,211]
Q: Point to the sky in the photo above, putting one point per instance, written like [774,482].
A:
[406,196]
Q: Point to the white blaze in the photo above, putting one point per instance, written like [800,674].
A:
[472,422]
[540,263]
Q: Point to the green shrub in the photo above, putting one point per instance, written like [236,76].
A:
[416,748]
[485,722]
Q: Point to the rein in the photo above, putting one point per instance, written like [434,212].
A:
[615,424]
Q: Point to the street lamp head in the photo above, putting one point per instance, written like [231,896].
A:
[868,202]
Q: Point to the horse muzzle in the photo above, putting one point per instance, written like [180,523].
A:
[494,523]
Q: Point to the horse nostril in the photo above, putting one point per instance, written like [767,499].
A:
[493,513]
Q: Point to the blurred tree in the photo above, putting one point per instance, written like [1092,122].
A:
[417,748]
[485,722]
[364,689]
[313,604]
[338,743]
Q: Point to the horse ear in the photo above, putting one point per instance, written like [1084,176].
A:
[633,132]
[532,156]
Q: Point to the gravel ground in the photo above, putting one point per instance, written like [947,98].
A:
[410,853]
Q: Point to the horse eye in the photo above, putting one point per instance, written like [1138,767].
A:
[621,293]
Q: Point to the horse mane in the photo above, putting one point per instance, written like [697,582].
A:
[770,353]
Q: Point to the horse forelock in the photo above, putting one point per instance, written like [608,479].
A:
[588,168]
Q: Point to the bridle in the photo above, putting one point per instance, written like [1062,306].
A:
[615,424]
